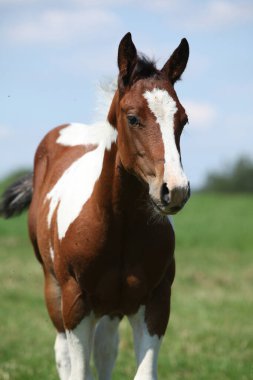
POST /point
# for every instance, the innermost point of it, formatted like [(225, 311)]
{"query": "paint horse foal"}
[(95, 190)]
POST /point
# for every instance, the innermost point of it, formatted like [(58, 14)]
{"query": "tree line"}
[(236, 177)]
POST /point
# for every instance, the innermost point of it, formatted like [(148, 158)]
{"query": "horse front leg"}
[(79, 324), (53, 301), (149, 325), (79, 344), (106, 342), (146, 347)]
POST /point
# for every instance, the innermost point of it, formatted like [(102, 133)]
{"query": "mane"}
[(144, 68), (105, 92)]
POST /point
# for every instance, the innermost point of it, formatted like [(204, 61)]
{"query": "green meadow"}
[(210, 335)]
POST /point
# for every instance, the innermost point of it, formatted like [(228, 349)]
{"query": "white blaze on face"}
[(164, 109), (76, 185)]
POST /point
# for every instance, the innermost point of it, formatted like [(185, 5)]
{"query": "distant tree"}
[(236, 178)]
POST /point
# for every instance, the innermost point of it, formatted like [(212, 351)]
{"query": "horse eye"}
[(133, 120)]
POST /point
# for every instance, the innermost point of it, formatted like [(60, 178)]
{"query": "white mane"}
[(105, 92)]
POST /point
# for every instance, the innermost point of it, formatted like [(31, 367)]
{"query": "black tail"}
[(17, 197)]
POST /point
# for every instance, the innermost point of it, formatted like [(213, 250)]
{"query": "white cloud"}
[(57, 25), (16, 2), (201, 115), (87, 18), (5, 132), (103, 3), (206, 15), (220, 14)]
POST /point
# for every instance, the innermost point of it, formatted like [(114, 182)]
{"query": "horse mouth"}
[(165, 210)]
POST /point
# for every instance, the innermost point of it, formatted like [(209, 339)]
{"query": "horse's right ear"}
[(127, 58)]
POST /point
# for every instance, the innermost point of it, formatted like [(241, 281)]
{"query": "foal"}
[(95, 190)]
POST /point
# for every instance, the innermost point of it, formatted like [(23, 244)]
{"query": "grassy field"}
[(210, 336)]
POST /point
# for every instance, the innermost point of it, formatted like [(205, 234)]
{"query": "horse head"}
[(150, 119)]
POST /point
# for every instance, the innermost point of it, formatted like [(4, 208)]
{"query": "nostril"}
[(165, 194)]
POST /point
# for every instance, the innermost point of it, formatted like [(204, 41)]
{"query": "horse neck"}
[(131, 194)]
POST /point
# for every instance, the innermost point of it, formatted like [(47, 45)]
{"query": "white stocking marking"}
[(62, 356), (80, 345), (106, 346), (146, 347)]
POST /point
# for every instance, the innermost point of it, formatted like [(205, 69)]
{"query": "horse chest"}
[(117, 269)]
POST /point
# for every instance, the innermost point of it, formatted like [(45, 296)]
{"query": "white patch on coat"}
[(164, 108), (88, 134), (106, 342), (146, 347), (76, 185), (51, 251), (80, 346), (62, 357)]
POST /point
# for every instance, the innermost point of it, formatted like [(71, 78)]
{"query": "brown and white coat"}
[(98, 219)]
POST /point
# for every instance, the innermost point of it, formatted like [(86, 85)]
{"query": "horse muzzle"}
[(171, 201)]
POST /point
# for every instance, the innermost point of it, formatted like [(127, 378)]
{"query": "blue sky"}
[(53, 54)]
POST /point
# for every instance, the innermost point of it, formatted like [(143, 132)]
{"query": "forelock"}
[(144, 68)]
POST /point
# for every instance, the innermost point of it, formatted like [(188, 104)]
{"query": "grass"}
[(210, 335)]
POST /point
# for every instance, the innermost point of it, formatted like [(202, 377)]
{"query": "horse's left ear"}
[(176, 64), (127, 58)]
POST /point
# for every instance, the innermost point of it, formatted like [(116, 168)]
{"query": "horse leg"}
[(62, 357), (106, 346), (79, 323), (149, 325), (146, 347), (53, 302)]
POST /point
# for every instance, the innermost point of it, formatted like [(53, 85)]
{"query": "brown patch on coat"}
[(113, 258)]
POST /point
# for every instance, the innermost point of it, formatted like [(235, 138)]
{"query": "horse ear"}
[(176, 64), (127, 58)]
